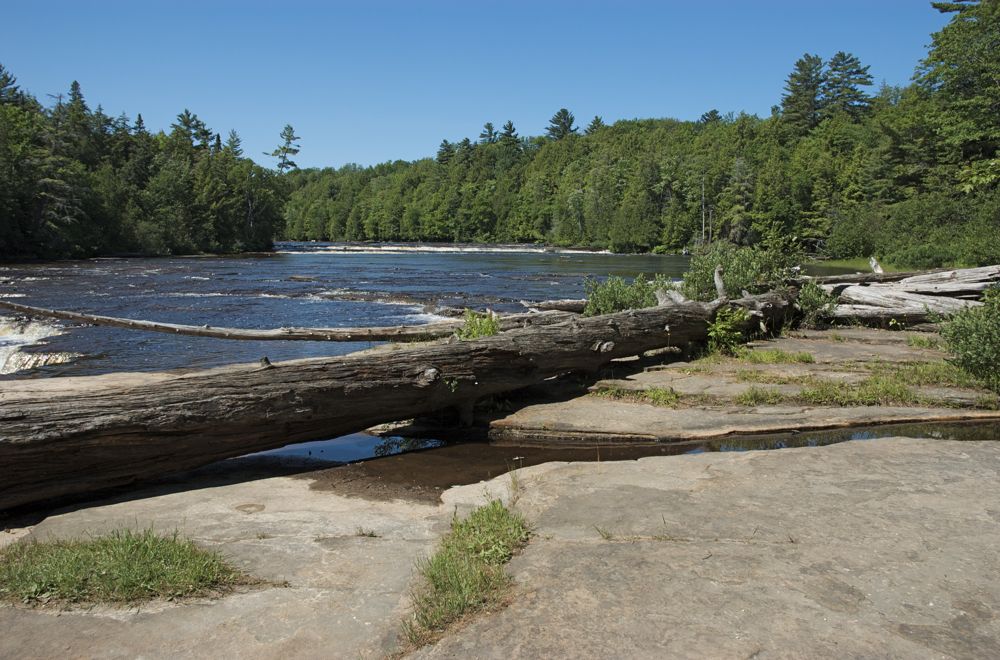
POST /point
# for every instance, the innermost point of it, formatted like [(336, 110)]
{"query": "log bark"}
[(565, 305), (379, 333), (65, 436)]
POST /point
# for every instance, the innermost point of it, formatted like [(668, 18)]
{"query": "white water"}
[(15, 335)]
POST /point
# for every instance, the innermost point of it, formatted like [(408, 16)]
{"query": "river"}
[(300, 284)]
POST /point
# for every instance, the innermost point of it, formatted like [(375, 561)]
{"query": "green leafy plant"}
[(815, 304), (478, 325), (725, 332), (615, 294), (755, 269), (973, 337)]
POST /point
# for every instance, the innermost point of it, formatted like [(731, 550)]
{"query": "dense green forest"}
[(909, 174), (76, 182)]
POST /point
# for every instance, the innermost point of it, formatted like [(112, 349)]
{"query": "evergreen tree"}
[(234, 144), (962, 71), (287, 149), (445, 152), (595, 125), (9, 91), (710, 117), (489, 134), (139, 127), (800, 106), (561, 125), (508, 132), (841, 89)]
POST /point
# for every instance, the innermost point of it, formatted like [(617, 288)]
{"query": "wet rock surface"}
[(875, 549)]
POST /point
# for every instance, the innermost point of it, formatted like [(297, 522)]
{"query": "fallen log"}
[(574, 305), (910, 298), (64, 436), (379, 333)]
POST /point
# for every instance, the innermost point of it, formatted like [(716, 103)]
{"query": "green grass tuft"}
[(776, 356), (657, 396), (466, 573), (923, 341), (756, 396), (121, 568), (876, 390), (757, 376)]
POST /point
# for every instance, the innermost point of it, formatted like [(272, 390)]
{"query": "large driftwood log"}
[(379, 333), (63, 436)]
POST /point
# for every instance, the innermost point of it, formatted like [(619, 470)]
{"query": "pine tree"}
[(561, 125), (710, 117), (9, 92), (489, 134), (287, 148), (445, 151), (139, 127), (595, 125), (508, 133), (800, 105), (234, 144), (841, 88)]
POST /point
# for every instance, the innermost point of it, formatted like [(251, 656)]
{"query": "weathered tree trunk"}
[(381, 333), (63, 436)]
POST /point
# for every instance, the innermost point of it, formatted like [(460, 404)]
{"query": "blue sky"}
[(372, 81)]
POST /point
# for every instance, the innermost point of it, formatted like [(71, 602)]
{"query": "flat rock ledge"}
[(881, 548)]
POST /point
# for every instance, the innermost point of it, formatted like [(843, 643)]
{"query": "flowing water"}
[(302, 284)]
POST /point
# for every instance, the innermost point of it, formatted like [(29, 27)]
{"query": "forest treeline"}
[(76, 182), (909, 174)]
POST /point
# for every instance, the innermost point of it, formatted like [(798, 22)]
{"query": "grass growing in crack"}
[(368, 533), (756, 396), (757, 376), (657, 396), (923, 341), (926, 373), (466, 573), (120, 568), (776, 356), (876, 390), (605, 533)]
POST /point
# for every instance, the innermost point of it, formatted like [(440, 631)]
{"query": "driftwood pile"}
[(907, 297)]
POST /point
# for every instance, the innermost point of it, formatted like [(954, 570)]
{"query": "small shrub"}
[(815, 304), (123, 567), (973, 336), (615, 294), (478, 325), (755, 269), (466, 572), (725, 332)]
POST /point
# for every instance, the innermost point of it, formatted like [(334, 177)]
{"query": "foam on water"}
[(16, 334)]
